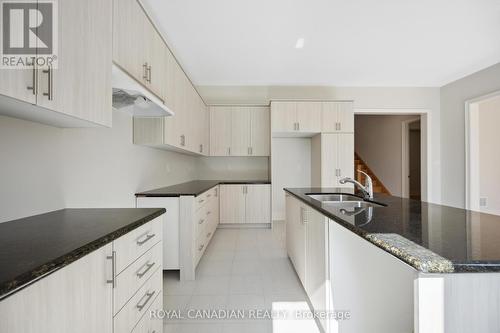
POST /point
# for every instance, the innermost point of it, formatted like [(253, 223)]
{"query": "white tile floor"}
[(242, 269)]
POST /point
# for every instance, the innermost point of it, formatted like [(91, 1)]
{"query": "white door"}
[(232, 204), (345, 117), (283, 116), (260, 131), (317, 261), (258, 203), (220, 131), (240, 131), (345, 148), (309, 117), (80, 85)]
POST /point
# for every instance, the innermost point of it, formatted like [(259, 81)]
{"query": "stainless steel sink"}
[(342, 200)]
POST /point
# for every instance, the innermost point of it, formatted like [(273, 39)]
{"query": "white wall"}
[(378, 141), (365, 98), (45, 168), (236, 168), (489, 154), (453, 98)]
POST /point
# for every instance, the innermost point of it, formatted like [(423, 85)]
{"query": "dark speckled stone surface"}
[(35, 246), (442, 239), (195, 187)]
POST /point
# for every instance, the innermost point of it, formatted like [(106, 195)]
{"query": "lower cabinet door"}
[(76, 298), (317, 261), (258, 203), (232, 204)]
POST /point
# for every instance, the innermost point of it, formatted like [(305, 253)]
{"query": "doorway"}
[(482, 116), (411, 154)]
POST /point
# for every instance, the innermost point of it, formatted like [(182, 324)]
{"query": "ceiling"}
[(346, 43)]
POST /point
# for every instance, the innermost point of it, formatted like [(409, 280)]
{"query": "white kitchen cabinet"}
[(79, 89), (296, 221), (337, 117), (245, 203), (317, 280), (220, 131), (298, 117), (240, 131), (76, 298), (260, 131), (332, 158)]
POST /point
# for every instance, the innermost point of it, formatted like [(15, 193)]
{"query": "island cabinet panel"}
[(77, 298), (296, 235), (376, 287)]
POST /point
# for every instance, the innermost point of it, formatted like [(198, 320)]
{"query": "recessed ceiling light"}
[(300, 43)]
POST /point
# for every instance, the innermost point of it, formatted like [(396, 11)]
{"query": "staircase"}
[(359, 164)]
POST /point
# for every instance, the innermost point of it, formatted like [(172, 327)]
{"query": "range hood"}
[(130, 96)]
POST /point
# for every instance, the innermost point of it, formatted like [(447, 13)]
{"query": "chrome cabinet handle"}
[(34, 85), (148, 267), (201, 221), (183, 140), (112, 257), (298, 126), (216, 192), (145, 71), (209, 212), (208, 235), (50, 89), (148, 297), (201, 247), (340, 126), (201, 148), (201, 201), (148, 237), (229, 151), (149, 74)]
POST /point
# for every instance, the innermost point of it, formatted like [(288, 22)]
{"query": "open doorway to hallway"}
[(483, 154), (388, 148)]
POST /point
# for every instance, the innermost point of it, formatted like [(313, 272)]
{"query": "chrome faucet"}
[(367, 189)]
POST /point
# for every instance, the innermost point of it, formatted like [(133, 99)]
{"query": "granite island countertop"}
[(35, 246), (194, 188), (431, 238)]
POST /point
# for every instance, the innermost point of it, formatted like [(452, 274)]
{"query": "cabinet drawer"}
[(200, 200), (134, 244), (135, 275), (200, 220), (137, 307), (148, 324)]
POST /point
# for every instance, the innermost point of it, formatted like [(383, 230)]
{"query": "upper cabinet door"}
[(129, 48), (283, 116), (220, 131), (309, 117), (240, 131), (157, 61), (345, 117), (19, 84), (81, 84), (260, 131), (329, 117)]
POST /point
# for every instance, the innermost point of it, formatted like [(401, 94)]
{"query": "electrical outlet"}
[(483, 202)]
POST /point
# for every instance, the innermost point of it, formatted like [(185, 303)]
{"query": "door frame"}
[(426, 171), (405, 156), (472, 149)]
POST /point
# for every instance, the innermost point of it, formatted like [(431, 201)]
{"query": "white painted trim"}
[(390, 111), (405, 156), (471, 149)]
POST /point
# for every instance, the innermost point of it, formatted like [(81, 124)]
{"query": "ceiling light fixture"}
[(300, 43)]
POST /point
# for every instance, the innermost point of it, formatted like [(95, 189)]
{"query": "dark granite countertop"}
[(195, 187), (431, 238), (33, 247)]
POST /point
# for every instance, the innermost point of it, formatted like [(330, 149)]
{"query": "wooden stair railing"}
[(359, 164)]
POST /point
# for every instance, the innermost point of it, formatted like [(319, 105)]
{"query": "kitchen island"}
[(398, 265)]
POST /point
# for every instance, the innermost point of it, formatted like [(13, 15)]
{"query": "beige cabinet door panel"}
[(346, 155), (258, 203), (283, 116), (345, 117), (15, 82), (260, 131), (240, 131), (329, 117), (232, 204), (309, 117), (329, 160), (220, 131), (80, 86)]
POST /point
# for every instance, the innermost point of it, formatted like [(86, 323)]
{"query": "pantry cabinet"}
[(337, 117), (332, 158), (245, 203), (76, 92), (239, 131)]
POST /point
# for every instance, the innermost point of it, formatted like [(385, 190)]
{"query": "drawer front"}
[(125, 320), (200, 221), (135, 275), (200, 200), (150, 324), (201, 245), (131, 246)]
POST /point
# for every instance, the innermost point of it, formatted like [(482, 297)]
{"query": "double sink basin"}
[(342, 200)]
